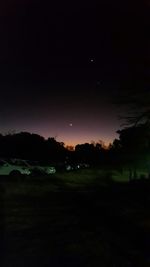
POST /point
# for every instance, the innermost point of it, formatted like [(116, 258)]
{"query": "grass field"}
[(74, 219)]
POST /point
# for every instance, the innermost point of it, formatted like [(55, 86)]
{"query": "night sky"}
[(64, 63)]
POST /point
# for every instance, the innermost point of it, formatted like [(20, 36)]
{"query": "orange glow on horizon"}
[(71, 146), (71, 142)]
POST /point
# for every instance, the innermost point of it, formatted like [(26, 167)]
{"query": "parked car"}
[(43, 170), (12, 168), (50, 169), (68, 167), (38, 168)]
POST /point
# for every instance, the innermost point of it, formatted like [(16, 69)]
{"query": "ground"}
[(53, 222)]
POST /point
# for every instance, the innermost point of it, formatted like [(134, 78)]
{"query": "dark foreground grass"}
[(54, 224)]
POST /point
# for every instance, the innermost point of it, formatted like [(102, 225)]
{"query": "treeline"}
[(25, 145), (131, 150)]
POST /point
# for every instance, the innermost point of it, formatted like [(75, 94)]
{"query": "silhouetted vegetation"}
[(82, 217), (131, 151), (25, 145), (135, 148), (136, 102)]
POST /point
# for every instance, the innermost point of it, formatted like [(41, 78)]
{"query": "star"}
[(70, 124)]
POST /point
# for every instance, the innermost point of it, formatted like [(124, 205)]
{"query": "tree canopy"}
[(137, 104)]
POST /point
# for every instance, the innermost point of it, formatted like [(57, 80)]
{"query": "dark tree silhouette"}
[(31, 146), (137, 104), (55, 151), (114, 158), (25, 145), (134, 143), (93, 154), (135, 137)]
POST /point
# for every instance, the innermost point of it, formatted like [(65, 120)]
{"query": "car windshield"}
[(2, 163), (18, 162)]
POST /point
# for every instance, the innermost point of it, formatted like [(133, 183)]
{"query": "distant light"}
[(70, 124), (92, 60)]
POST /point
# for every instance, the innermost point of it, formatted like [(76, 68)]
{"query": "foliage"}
[(32, 146), (134, 147), (137, 104)]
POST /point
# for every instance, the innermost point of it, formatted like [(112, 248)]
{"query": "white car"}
[(12, 168)]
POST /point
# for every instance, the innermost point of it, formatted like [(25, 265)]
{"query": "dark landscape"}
[(49, 223), (74, 133)]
